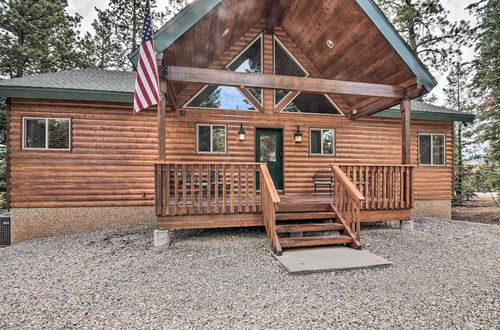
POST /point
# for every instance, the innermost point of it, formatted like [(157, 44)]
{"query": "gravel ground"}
[(445, 275)]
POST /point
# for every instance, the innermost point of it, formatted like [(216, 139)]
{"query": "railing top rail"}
[(361, 164), (268, 181), (205, 163), (348, 184)]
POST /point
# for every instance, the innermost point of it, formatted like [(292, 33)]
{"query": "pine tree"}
[(102, 48), (38, 36), (458, 98), (126, 18), (425, 26), (487, 78)]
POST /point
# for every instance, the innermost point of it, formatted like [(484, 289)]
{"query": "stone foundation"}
[(30, 223), (432, 208)]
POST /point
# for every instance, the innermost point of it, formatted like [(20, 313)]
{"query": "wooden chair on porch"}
[(323, 178)]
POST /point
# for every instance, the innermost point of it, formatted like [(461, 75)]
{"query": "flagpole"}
[(162, 156)]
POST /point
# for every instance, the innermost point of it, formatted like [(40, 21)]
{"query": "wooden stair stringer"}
[(356, 244)]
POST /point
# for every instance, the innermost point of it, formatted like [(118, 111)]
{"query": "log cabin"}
[(298, 116)]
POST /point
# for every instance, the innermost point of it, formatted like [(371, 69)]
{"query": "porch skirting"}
[(30, 223), (436, 208)]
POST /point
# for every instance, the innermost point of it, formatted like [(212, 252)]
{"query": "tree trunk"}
[(412, 35)]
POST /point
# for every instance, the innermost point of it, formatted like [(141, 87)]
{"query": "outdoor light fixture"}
[(298, 135), (242, 134)]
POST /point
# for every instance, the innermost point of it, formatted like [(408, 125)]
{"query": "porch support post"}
[(162, 155), (405, 124)]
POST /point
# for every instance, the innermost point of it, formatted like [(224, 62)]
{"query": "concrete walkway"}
[(327, 259)]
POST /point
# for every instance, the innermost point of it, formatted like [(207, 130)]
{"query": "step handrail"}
[(347, 200), (269, 199)]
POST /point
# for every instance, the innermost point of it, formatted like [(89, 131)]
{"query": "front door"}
[(268, 149)]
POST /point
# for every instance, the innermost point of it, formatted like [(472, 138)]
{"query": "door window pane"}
[(204, 139), (267, 148), (58, 133), (438, 150), (219, 138), (316, 141), (34, 133)]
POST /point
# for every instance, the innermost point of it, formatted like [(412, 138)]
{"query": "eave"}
[(65, 94), (127, 97), (385, 27), (426, 115)]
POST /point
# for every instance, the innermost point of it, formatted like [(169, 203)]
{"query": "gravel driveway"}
[(446, 274)]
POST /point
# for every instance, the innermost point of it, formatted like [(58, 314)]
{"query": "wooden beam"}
[(405, 131), (274, 13), (269, 81), (382, 104), (163, 84)]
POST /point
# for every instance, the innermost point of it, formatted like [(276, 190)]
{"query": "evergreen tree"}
[(38, 36), (126, 18), (458, 98), (425, 26), (103, 47), (487, 78)]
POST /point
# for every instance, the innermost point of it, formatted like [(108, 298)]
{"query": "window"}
[(211, 138), (232, 98), (322, 141), (431, 149), (312, 103), (286, 65), (46, 133)]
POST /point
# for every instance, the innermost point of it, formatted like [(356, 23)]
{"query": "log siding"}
[(113, 152)]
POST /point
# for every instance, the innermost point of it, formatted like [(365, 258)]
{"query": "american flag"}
[(146, 91)]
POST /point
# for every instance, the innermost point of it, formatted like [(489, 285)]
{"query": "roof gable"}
[(197, 11)]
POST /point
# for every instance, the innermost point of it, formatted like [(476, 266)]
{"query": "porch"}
[(214, 195)]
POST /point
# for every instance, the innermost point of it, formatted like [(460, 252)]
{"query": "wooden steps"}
[(305, 215), (314, 241), (309, 218), (308, 227)]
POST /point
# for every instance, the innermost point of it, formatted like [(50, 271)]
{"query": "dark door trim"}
[(276, 168)]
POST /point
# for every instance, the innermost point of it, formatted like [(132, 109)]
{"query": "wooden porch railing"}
[(202, 188), (347, 202), (384, 187), (269, 199)]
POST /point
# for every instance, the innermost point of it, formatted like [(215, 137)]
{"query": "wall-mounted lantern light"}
[(298, 136), (242, 134)]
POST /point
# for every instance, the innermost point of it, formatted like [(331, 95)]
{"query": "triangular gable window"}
[(224, 97), (285, 64)]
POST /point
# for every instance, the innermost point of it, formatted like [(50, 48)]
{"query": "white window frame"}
[(279, 104), (321, 147), (25, 119), (261, 36), (277, 40), (211, 139), (432, 149)]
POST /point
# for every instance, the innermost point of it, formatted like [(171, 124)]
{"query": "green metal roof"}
[(118, 86), (426, 111)]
